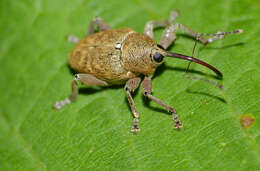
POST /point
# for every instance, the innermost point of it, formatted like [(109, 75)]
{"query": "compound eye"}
[(157, 57)]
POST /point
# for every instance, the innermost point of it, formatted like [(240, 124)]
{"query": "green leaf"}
[(94, 132)]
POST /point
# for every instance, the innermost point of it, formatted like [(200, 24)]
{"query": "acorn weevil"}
[(122, 56)]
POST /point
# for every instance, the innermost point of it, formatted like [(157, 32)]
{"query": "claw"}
[(60, 104), (135, 127), (178, 126), (135, 130)]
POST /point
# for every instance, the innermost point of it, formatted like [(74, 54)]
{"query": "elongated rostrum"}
[(123, 56)]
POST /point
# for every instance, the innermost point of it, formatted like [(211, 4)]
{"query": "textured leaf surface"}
[(94, 132)]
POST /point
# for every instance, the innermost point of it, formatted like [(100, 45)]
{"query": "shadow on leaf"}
[(206, 94)]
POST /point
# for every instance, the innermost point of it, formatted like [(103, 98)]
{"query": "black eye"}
[(157, 57)]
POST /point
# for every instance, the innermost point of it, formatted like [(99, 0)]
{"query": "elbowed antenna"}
[(189, 58)]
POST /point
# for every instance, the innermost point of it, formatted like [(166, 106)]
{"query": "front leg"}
[(168, 35), (147, 90), (151, 25), (131, 86)]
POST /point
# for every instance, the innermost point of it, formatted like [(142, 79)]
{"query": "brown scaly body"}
[(112, 55), (121, 56)]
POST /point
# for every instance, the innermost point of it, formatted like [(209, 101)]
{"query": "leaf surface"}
[(94, 132)]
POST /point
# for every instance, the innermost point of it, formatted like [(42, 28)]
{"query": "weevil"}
[(124, 56)]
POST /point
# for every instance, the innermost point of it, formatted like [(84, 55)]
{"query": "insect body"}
[(122, 56), (106, 55)]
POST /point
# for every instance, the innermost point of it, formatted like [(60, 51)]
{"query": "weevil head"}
[(140, 54)]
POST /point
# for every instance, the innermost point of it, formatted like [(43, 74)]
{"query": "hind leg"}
[(101, 24), (86, 79)]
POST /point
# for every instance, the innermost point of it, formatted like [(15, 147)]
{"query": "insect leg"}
[(131, 86), (150, 25), (147, 90), (171, 29), (102, 25), (86, 79), (73, 39)]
